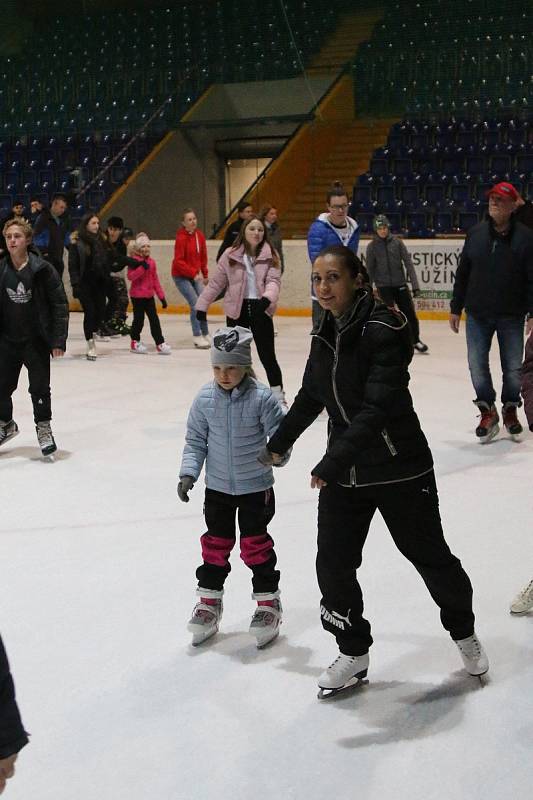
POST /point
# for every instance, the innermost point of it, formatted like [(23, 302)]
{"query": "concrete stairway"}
[(349, 157)]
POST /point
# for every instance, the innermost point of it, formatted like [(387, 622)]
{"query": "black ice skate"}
[(7, 431), (510, 420), (46, 440), (344, 673), (488, 426), (420, 347)]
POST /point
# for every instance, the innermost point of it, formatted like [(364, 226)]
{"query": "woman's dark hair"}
[(336, 190), (242, 205), (84, 234), (349, 260)]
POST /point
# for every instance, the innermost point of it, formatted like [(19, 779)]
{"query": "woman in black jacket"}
[(89, 262), (377, 458), (13, 737)]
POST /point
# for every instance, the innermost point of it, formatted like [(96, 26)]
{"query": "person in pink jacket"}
[(249, 273), (189, 271), (144, 284)]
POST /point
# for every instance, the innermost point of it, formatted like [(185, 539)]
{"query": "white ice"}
[(98, 559)]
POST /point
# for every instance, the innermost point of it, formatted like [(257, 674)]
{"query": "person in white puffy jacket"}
[(230, 421)]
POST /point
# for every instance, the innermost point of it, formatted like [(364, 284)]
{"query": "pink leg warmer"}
[(256, 549), (216, 549)]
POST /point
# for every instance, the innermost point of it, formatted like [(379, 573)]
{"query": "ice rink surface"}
[(98, 559)]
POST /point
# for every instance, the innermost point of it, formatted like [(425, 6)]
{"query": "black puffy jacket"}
[(360, 375), (49, 301), (13, 737)]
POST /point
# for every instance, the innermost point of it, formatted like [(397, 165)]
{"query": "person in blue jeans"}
[(494, 284), (189, 271)]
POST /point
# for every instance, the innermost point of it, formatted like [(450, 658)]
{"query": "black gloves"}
[(144, 264), (184, 487), (264, 303), (417, 293), (201, 316), (164, 303), (75, 292)]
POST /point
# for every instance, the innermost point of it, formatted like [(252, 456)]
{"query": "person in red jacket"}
[(189, 271)]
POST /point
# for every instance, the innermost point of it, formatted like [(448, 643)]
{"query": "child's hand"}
[(184, 487), (144, 264), (201, 316), (164, 303), (267, 459)]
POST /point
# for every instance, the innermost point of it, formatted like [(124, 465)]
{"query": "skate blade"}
[(200, 638), (353, 683), (490, 436), (329, 694), (262, 644), (49, 459)]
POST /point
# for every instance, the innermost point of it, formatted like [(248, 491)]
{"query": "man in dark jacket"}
[(51, 232), (13, 737), (494, 284), (33, 325), (524, 212), (244, 212)]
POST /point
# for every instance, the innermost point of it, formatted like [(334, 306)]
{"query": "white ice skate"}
[(205, 617), (46, 440), (523, 601), (473, 655), (344, 672), (266, 619)]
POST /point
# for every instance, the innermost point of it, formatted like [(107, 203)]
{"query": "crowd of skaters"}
[(248, 275)]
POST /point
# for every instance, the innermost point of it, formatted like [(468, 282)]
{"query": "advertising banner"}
[(435, 262)]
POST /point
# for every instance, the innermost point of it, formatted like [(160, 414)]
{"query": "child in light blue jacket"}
[(229, 423)]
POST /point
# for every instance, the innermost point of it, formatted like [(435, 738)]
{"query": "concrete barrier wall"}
[(435, 261)]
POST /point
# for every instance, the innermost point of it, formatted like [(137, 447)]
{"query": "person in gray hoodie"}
[(229, 422), (387, 259)]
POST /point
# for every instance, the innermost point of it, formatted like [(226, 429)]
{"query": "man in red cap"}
[(494, 285)]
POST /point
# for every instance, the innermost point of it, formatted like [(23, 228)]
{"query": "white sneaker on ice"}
[(473, 655), (343, 672), (266, 621), (138, 347), (205, 620), (91, 350), (164, 349), (523, 601), (200, 342)]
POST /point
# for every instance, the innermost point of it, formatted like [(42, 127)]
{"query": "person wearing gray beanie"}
[(229, 423), (232, 346)]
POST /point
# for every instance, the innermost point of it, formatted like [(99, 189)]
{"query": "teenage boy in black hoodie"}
[(33, 326)]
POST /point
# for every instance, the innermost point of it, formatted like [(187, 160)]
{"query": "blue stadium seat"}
[(435, 195), (365, 222), (443, 222), (524, 163), (379, 166), (459, 193), (466, 219), (416, 224), (409, 195)]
